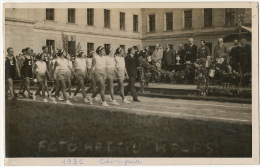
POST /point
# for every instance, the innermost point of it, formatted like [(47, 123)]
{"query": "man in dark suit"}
[(181, 53), (138, 52), (220, 50), (168, 58), (190, 52), (131, 64), (235, 55), (245, 57), (203, 51)]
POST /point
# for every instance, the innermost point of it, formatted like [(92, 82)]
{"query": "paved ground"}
[(177, 108)]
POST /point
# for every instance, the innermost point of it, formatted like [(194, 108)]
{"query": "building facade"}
[(91, 28), (175, 26)]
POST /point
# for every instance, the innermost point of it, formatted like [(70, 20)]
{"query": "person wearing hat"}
[(63, 75), (42, 73), (54, 76), (121, 72), (90, 75), (69, 58), (131, 64), (98, 69), (111, 72), (80, 65)]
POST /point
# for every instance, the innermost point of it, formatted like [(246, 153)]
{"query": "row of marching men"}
[(101, 68)]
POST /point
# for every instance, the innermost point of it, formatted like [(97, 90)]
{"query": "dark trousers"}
[(131, 87)]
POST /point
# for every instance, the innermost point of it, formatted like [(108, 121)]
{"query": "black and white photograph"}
[(121, 83)]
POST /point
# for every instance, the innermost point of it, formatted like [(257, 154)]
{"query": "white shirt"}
[(63, 64), (41, 67), (100, 62), (89, 60), (120, 62), (80, 64), (110, 62)]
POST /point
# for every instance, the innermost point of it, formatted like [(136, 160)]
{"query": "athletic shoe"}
[(96, 99), (86, 100), (126, 101), (53, 99), (45, 100), (105, 104), (60, 98), (90, 100), (74, 98), (114, 102), (68, 102)]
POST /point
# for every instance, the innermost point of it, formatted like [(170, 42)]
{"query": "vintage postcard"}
[(97, 84)]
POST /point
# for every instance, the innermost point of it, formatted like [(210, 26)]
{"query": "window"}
[(51, 45), (71, 15), (151, 23), (207, 17), (135, 23), (72, 48), (122, 46), (122, 21), (107, 18), (90, 47), (50, 14), (90, 17), (230, 17), (188, 19), (107, 46), (169, 21)]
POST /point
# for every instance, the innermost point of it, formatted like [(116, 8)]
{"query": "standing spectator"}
[(131, 64), (203, 51), (190, 52), (157, 54), (168, 58), (181, 53), (138, 52), (220, 50), (245, 56), (234, 56)]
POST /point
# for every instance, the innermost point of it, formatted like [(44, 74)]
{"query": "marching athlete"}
[(11, 69), (42, 73), (80, 65), (27, 64), (121, 71), (20, 65), (98, 69), (111, 73), (63, 75), (68, 57)]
